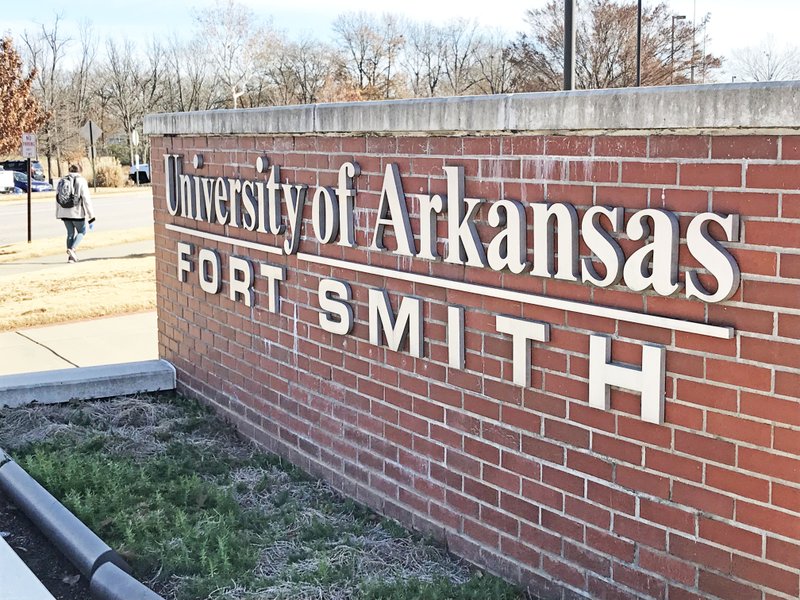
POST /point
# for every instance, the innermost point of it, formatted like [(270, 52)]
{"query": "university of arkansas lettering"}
[(266, 206)]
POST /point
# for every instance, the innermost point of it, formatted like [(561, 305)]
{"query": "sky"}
[(734, 23)]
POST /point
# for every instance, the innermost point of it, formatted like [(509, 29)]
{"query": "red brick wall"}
[(530, 482)]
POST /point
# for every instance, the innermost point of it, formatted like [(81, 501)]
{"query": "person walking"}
[(74, 208)]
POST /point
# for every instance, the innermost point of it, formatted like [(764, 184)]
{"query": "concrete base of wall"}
[(87, 383)]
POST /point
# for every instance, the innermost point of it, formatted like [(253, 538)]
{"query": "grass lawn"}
[(200, 513)]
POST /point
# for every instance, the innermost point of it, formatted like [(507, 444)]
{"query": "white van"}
[(6, 181)]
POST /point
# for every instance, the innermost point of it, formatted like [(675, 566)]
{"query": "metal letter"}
[(336, 314), (185, 265), (325, 214), (347, 193), (662, 274), (235, 198), (393, 212), (250, 216), (295, 201), (221, 212), (455, 337), (395, 329), (522, 333), (241, 286), (209, 271), (710, 253), (649, 381), (185, 192), (269, 205), (429, 206), (508, 249), (172, 170), (274, 275), (603, 245), (204, 199), (566, 219), (464, 244)]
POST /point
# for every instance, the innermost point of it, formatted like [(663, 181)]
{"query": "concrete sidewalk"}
[(131, 249), (110, 340)]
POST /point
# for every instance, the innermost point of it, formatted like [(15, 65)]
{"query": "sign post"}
[(29, 152), (135, 144), (90, 132)]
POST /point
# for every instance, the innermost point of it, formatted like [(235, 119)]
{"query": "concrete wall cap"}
[(761, 105)]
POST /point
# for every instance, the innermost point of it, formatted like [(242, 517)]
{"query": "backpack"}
[(66, 194)]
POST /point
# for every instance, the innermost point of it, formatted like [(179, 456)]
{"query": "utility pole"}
[(672, 48), (694, 36), (639, 44), (569, 44)]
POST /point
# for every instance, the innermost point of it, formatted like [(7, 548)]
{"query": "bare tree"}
[(232, 38), (133, 83), (461, 41), (494, 66), (766, 62), (45, 49), (83, 72), (189, 86), (606, 47), (370, 50), (423, 59), (302, 70)]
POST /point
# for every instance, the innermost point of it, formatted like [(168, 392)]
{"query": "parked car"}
[(6, 181), (21, 181), (144, 173), (37, 171)]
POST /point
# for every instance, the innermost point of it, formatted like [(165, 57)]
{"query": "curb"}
[(106, 571), (68, 533), (87, 383), (109, 582)]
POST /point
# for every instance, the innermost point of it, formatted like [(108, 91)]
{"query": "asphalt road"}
[(115, 210)]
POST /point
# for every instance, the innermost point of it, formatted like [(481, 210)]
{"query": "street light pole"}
[(672, 48), (639, 44)]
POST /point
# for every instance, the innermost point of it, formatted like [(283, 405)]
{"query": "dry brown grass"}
[(72, 292), (109, 173)]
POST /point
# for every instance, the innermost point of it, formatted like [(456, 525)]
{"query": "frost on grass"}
[(310, 543)]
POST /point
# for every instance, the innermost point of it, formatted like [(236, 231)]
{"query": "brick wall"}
[(530, 482)]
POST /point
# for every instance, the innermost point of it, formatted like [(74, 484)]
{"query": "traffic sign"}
[(28, 145), (135, 138), (91, 132)]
